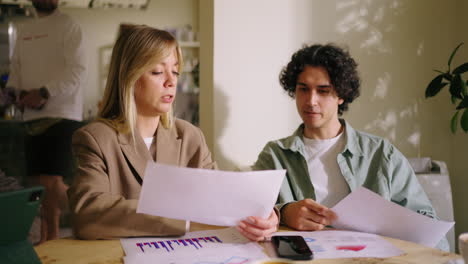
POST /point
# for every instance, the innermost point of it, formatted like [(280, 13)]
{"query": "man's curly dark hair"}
[(341, 68)]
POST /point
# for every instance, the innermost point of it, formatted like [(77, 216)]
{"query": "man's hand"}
[(257, 229), (32, 99), (307, 215)]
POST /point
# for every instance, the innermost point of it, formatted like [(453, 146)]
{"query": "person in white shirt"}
[(48, 69)]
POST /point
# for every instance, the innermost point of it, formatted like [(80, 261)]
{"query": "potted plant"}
[(457, 88)]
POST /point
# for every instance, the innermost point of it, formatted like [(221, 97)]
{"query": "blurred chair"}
[(434, 178)]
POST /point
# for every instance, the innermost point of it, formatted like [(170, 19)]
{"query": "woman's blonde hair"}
[(137, 49)]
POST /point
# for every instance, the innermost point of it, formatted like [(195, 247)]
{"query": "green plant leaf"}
[(456, 86), (461, 69), (464, 121), (454, 122), (448, 76), (454, 99), (464, 89), (453, 54), (435, 86), (463, 104)]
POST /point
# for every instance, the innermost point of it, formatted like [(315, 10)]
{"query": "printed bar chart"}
[(172, 245)]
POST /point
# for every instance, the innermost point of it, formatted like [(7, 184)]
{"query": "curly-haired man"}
[(326, 158)]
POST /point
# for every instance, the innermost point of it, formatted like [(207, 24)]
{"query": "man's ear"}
[(340, 101)]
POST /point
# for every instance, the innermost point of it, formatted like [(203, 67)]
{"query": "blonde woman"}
[(134, 126)]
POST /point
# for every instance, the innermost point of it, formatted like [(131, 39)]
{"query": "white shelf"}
[(189, 44)]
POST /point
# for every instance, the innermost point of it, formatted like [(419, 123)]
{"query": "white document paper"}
[(332, 244), (210, 246), (366, 211), (235, 254), (208, 196)]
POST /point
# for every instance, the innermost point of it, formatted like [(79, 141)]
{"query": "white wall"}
[(252, 41), (396, 43), (100, 30)]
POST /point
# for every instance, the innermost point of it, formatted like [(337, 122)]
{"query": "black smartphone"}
[(292, 247)]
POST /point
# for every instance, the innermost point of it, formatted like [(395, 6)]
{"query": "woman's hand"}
[(257, 229)]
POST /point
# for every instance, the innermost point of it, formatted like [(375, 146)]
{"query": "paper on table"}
[(190, 242), (331, 244), (366, 211), (242, 253), (209, 246), (208, 196)]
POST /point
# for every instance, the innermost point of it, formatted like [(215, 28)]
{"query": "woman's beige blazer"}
[(104, 194)]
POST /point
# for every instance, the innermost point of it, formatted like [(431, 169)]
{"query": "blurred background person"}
[(48, 70)]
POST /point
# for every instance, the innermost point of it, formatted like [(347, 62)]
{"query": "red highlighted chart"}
[(351, 248)]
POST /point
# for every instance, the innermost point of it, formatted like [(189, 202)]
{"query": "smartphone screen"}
[(292, 247)]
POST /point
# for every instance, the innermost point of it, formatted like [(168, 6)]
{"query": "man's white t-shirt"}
[(325, 174)]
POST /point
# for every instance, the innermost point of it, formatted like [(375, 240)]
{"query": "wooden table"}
[(110, 252)]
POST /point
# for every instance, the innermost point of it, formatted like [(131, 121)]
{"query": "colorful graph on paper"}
[(220, 253), (220, 246), (191, 242), (174, 244)]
